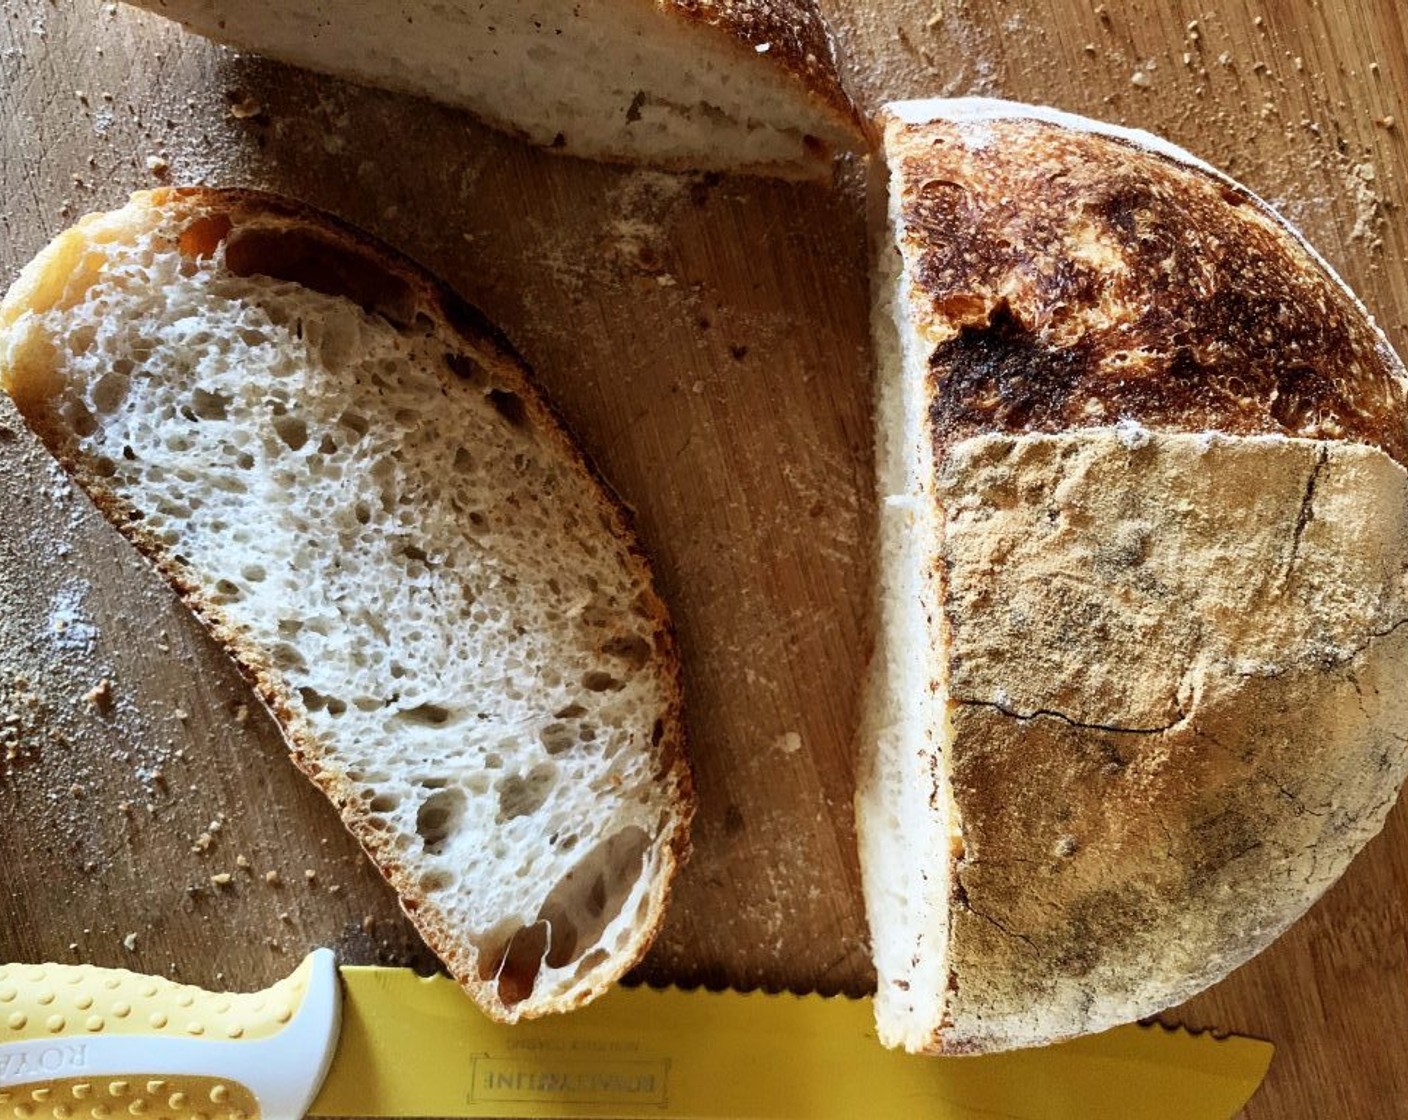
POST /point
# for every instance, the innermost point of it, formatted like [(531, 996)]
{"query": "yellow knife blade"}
[(419, 1047)]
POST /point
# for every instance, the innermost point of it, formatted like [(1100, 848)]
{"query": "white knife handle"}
[(84, 1043)]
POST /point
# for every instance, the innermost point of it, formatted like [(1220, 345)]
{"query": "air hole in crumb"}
[(427, 715), (557, 738), (462, 365), (433, 881), (508, 405), (522, 795), (493, 761), (292, 430), (464, 462), (384, 802), (630, 648), (438, 818), (355, 421), (522, 961), (254, 573), (109, 391), (434, 783), (572, 711), (598, 681), (209, 406), (245, 461), (362, 512)]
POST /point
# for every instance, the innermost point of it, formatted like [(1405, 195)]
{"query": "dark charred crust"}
[(796, 39), (1082, 281)]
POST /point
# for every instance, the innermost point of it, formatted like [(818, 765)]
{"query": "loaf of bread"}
[(1140, 690), (351, 479), (684, 84)]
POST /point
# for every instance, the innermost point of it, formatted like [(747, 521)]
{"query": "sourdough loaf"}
[(352, 480), (1141, 681), (684, 84)]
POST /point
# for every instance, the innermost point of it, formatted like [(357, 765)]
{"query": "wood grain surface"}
[(706, 339)]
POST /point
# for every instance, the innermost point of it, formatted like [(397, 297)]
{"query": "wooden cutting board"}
[(706, 338)]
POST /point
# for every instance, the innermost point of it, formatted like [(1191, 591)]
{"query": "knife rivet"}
[(41, 1095), (95, 1023), (155, 1087), (177, 1102), (83, 1002), (44, 998), (82, 1091), (282, 1013), (24, 1111), (62, 1112), (147, 990), (185, 999), (137, 1107), (219, 1095), (121, 1010), (36, 975), (234, 1030), (158, 1020), (76, 976), (118, 1089), (17, 1020), (200, 1116), (56, 1023), (101, 1112), (194, 1027), (221, 1006), (7, 995), (112, 983)]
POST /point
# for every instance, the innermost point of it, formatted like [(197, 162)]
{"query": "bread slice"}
[(351, 479), (1141, 678), (683, 84)]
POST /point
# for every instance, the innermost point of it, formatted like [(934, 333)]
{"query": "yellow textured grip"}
[(111, 1098), (65, 1000)]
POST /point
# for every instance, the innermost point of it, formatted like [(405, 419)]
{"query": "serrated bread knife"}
[(85, 1043)]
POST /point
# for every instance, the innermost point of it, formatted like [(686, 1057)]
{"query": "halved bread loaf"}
[(351, 479), (1141, 683), (685, 84)]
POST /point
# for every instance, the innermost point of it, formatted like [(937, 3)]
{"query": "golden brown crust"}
[(796, 39), (314, 248), (1077, 280)]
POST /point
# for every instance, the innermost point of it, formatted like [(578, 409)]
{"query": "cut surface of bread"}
[(687, 84), (1141, 669), (353, 482)]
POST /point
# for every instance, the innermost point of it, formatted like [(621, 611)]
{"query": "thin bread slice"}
[(744, 85), (1141, 670), (352, 480)]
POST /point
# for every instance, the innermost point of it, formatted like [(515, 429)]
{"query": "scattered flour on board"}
[(70, 628)]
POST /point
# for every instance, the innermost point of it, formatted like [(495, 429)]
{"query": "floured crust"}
[(349, 263), (1179, 683), (1077, 278)]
